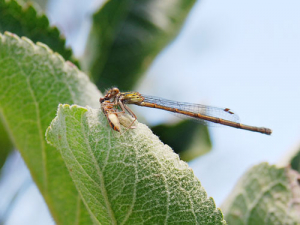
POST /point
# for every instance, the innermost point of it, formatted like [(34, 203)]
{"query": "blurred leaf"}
[(33, 81), (25, 21), (186, 138), (264, 195), (127, 35), (41, 3), (5, 145), (128, 178), (295, 162)]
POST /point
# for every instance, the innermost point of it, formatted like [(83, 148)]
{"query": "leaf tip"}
[(55, 132), (51, 129)]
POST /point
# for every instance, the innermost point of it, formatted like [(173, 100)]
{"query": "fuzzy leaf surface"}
[(24, 20), (128, 178), (265, 195), (33, 81)]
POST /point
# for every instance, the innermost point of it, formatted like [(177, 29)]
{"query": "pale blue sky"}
[(243, 55)]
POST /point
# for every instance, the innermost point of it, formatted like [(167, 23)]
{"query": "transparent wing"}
[(222, 113)]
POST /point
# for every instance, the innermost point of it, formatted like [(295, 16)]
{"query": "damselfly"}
[(115, 102), (114, 117), (111, 115)]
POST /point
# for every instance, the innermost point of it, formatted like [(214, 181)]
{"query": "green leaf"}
[(295, 162), (25, 21), (5, 145), (187, 138), (127, 35), (33, 81), (128, 178), (264, 195)]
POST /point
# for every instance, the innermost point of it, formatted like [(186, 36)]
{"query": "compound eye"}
[(115, 90)]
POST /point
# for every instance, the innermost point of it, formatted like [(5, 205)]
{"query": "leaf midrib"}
[(102, 185)]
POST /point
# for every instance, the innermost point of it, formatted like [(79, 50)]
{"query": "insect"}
[(114, 117), (115, 102), (111, 115)]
